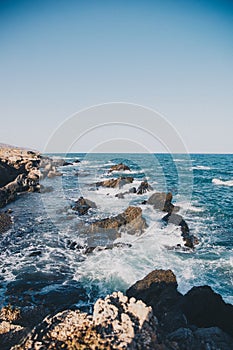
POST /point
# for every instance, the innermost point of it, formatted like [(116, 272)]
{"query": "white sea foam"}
[(201, 167), (222, 183), (185, 205)]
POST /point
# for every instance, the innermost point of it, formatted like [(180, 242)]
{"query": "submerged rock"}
[(119, 167), (130, 220), (82, 205), (113, 183)]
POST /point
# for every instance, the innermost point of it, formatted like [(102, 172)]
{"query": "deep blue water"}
[(39, 265)]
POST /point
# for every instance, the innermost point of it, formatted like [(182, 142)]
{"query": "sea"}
[(43, 256)]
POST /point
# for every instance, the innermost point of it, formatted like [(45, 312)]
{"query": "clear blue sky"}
[(60, 56)]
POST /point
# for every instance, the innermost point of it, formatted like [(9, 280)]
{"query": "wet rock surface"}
[(131, 220)]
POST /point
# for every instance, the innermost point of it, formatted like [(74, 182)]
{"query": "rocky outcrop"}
[(19, 172), (130, 220), (113, 183), (119, 167), (5, 222), (190, 240), (144, 187), (162, 201), (117, 323), (152, 315), (198, 320), (82, 205)]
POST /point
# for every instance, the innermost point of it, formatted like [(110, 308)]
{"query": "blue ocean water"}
[(39, 263)]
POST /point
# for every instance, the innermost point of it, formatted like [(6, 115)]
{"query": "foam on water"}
[(223, 183), (201, 167), (208, 215)]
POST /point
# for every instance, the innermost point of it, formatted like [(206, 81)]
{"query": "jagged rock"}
[(144, 187), (18, 173), (116, 323), (200, 307), (82, 205), (131, 220), (120, 182), (176, 219), (119, 167), (5, 222), (77, 161), (159, 290)]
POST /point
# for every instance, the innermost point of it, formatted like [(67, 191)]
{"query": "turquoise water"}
[(39, 264)]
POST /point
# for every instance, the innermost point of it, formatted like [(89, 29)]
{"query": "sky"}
[(59, 57)]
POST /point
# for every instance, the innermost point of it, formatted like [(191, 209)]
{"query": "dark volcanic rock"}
[(181, 317), (5, 222), (144, 187), (82, 205), (205, 308), (131, 220), (120, 182), (119, 167)]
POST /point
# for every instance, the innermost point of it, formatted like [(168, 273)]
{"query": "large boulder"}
[(113, 183), (179, 314), (119, 167), (82, 205), (162, 201), (130, 220)]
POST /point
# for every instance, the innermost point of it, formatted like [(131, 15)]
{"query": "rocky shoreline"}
[(152, 314)]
